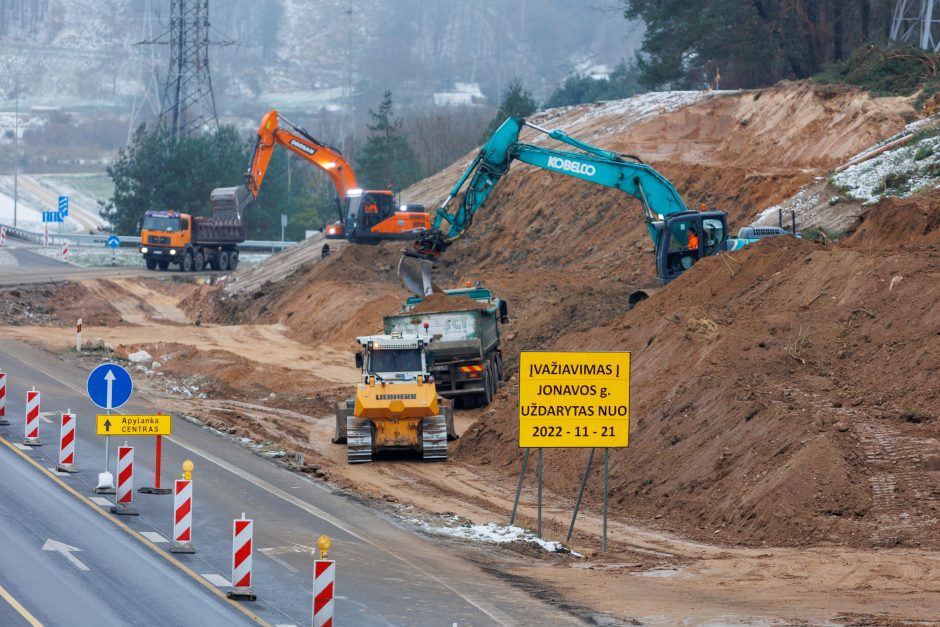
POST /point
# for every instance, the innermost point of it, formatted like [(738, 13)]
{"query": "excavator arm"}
[(297, 140), (596, 165), (668, 220)]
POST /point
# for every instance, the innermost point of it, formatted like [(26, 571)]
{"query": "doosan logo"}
[(571, 166), (307, 149)]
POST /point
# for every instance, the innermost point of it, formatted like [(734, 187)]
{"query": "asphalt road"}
[(112, 579), (386, 574), (20, 265)]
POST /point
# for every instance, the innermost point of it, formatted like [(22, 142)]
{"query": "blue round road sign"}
[(114, 241), (109, 386)]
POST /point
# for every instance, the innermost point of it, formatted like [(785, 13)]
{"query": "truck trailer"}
[(465, 326)]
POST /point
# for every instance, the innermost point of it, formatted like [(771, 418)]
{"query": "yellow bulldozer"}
[(396, 406)]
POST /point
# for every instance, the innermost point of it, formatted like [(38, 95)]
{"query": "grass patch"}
[(894, 71), (821, 234)]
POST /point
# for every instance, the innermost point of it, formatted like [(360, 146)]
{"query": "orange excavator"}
[(366, 216)]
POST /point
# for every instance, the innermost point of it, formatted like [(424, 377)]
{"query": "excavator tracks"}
[(358, 440), (434, 439)]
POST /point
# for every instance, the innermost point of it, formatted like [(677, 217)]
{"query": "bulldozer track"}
[(358, 441), (901, 468), (434, 439)]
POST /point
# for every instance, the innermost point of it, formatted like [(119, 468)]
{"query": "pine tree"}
[(517, 103), (387, 160)]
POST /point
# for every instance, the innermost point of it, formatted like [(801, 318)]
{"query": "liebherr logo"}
[(307, 149), (567, 165), (394, 397)]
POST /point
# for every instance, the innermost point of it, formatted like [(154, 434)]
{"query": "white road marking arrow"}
[(66, 551), (109, 377)]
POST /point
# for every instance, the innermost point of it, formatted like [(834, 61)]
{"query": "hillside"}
[(780, 394)]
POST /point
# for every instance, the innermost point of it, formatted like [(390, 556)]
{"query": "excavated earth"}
[(785, 415)]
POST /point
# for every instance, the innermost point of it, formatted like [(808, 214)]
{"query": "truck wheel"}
[(186, 265), (163, 265), (151, 264), (233, 260), (223, 261), (485, 397), (200, 263)]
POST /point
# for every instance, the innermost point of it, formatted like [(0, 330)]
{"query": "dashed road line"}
[(99, 500), (154, 537), (22, 447), (135, 534), (216, 580), (58, 473)]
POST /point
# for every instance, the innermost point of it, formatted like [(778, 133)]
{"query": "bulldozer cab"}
[(390, 359), (684, 238)]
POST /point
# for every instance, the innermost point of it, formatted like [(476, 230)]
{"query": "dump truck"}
[(465, 325), (395, 407), (192, 242)]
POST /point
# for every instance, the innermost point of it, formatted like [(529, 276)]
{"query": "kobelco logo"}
[(307, 149), (567, 165)]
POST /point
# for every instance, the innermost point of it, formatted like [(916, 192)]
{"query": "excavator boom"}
[(364, 216), (297, 140), (673, 228)]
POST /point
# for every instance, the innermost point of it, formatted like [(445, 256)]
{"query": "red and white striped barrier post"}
[(78, 336), (65, 251), (3, 399), (242, 532), (67, 443), (125, 481), (183, 512), (31, 437), (3, 236), (324, 579)]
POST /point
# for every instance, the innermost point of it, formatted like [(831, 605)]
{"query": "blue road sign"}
[(52, 216), (64, 206), (114, 241), (109, 386)]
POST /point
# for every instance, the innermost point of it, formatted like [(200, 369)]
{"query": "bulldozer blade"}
[(230, 199), (415, 275)]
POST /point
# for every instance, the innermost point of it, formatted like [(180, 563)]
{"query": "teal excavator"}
[(681, 236)]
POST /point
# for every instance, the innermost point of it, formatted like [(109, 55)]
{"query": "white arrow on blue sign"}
[(114, 241), (109, 386), (64, 206), (52, 216)]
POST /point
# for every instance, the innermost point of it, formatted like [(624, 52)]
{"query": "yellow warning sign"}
[(574, 399), (134, 425)]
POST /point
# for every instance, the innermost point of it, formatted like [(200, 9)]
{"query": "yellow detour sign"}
[(574, 399), (133, 425)]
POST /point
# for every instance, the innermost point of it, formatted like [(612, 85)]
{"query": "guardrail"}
[(130, 241)]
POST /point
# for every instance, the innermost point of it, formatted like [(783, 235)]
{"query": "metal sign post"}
[(113, 242), (109, 386), (574, 400)]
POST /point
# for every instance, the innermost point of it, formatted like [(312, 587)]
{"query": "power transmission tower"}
[(188, 104), (916, 22), (148, 97)]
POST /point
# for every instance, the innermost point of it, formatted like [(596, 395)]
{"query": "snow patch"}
[(140, 357), (496, 534)]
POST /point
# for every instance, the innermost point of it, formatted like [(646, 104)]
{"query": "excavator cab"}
[(372, 217), (684, 237)]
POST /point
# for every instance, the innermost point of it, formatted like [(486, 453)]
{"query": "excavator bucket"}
[(415, 274), (230, 199)]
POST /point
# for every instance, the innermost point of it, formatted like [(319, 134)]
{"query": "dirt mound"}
[(899, 222), (323, 301), (443, 302), (771, 400), (55, 304)]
